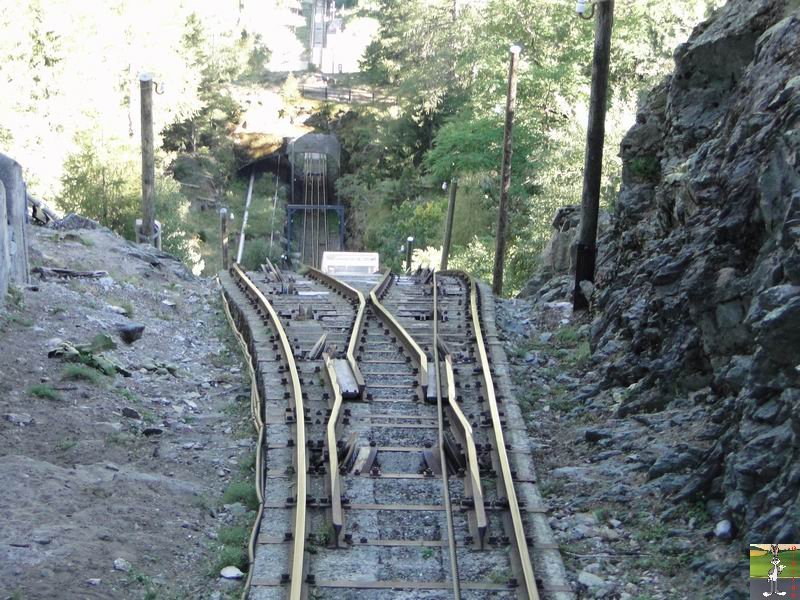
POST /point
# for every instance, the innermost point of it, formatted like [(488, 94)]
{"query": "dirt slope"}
[(120, 467)]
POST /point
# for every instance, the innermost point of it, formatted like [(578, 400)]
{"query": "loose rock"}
[(231, 573), (120, 564)]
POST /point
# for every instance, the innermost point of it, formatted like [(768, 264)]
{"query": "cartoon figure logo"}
[(774, 571)]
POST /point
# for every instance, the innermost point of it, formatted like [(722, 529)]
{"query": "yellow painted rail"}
[(526, 567), (417, 355), (358, 324), (258, 423), (333, 457), (301, 469), (473, 468)]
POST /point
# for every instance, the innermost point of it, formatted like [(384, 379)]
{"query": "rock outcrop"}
[(699, 278)]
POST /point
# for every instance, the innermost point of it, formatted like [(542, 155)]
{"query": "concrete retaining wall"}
[(13, 234), (5, 259)]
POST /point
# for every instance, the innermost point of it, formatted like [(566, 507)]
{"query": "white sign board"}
[(355, 263)]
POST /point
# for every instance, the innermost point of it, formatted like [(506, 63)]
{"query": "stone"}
[(94, 581), (107, 427), (590, 580), (131, 413), (237, 509), (73, 221), (670, 462), (120, 564), (724, 529), (149, 431), (20, 419), (231, 572), (131, 332), (595, 435)]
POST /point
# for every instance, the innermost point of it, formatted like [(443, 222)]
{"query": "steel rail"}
[(325, 200), (301, 469), (258, 423), (408, 342), (358, 325), (474, 479), (305, 208), (529, 582), (337, 514), (315, 198), (451, 539)]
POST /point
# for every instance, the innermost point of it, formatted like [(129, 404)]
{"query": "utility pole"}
[(593, 165), (409, 251), (223, 236), (505, 173), (148, 161), (448, 228)]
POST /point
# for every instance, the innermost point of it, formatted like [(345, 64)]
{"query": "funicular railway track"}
[(392, 435)]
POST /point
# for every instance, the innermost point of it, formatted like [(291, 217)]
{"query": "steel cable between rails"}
[(255, 412)]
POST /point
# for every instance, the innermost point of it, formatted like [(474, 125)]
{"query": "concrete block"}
[(5, 258), (17, 218)]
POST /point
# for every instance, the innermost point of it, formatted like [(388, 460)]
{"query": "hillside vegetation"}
[(449, 72)]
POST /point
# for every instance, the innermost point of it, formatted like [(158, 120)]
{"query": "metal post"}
[(448, 228), (148, 160), (244, 218), (593, 165), (291, 162), (223, 236), (505, 173), (409, 247)]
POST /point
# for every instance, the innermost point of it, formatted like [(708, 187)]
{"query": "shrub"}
[(41, 390), (243, 492), (81, 373)]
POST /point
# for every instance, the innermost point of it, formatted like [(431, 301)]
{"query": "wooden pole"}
[(505, 173), (409, 249), (448, 228), (593, 165), (223, 236), (148, 160), (244, 218)]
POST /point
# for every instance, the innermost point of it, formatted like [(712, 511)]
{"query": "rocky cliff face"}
[(699, 278)]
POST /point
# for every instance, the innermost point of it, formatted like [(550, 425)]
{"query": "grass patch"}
[(230, 556), (645, 168), (81, 373), (118, 439), (102, 342), (499, 576), (16, 299), (247, 465), (65, 444), (124, 305), (243, 492), (566, 337), (233, 536), (42, 390), (17, 319), (653, 532), (129, 396)]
